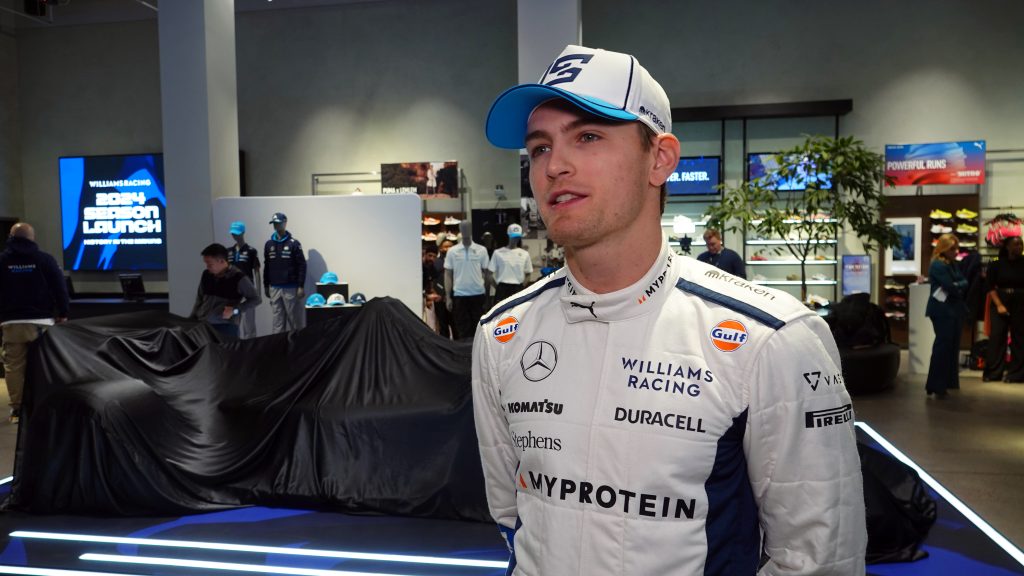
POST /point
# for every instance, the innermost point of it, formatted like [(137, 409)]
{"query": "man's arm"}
[(197, 307), (739, 267), (58, 287), (266, 271), (251, 297), (497, 454), (802, 454)]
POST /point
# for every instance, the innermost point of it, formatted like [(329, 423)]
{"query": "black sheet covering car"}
[(152, 414)]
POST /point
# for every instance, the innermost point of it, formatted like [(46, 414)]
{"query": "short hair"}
[(216, 251), (712, 233)]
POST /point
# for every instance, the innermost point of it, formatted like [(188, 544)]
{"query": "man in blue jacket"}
[(33, 296), (284, 275)]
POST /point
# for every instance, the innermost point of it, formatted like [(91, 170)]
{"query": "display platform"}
[(287, 541)]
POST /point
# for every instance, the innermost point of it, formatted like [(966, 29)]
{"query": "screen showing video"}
[(695, 177), (112, 212)]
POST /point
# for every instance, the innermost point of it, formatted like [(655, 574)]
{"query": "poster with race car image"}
[(113, 212), (529, 214), (430, 180)]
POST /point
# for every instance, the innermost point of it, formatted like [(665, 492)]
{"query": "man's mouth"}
[(562, 198)]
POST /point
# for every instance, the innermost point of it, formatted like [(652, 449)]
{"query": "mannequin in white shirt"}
[(466, 277), (511, 265)]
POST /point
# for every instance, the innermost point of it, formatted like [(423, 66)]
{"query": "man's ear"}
[(666, 158)]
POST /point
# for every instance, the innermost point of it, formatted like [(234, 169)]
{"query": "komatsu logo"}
[(625, 502)]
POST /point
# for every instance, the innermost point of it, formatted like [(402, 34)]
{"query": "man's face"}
[(429, 257), (445, 246), (714, 244), (280, 227), (238, 238), (590, 178), (215, 266)]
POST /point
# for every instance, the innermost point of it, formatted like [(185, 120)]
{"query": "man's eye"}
[(538, 150), (589, 137)]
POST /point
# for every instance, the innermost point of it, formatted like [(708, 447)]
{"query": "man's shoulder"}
[(539, 294), (771, 307), (703, 256)]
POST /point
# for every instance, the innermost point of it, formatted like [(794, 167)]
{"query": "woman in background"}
[(1006, 287), (947, 309)]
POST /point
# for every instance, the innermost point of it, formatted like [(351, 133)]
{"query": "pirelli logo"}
[(830, 417)]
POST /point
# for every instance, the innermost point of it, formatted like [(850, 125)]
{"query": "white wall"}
[(370, 242), (10, 169)]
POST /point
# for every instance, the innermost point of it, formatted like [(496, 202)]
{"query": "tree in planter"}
[(850, 196)]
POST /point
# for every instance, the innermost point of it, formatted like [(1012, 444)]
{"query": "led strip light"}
[(26, 571), (6, 480), (229, 566), (985, 527), (96, 539)]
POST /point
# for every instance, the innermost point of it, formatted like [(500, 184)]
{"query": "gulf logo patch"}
[(506, 329), (728, 335)]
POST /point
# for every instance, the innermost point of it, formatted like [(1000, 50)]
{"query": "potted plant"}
[(843, 189)]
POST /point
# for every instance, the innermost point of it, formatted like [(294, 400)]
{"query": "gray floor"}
[(973, 443)]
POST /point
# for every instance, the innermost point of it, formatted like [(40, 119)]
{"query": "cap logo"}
[(563, 70), (729, 335), (506, 329)]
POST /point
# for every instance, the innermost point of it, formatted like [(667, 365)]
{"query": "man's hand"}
[(448, 302), (300, 292), (1002, 311), (228, 312)]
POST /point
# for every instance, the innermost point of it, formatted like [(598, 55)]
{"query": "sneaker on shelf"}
[(759, 278), (966, 229), (817, 301), (891, 284), (935, 242), (430, 237), (941, 229), (819, 277), (792, 276), (428, 221), (968, 244), (896, 299), (896, 315), (820, 257), (965, 214), (759, 256), (939, 215), (452, 221), (821, 217)]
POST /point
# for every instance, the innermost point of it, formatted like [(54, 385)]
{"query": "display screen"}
[(938, 163), (695, 177), (113, 212), (856, 274), (766, 166)]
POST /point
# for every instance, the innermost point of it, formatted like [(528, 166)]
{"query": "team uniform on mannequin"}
[(465, 282), (510, 265), (284, 275), (33, 297), (640, 412), (246, 259)]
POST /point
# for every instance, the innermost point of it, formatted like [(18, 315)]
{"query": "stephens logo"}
[(536, 442), (506, 329), (729, 335)]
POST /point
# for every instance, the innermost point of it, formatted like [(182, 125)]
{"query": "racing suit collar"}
[(581, 305)]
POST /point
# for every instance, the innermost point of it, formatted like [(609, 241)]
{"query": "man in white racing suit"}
[(641, 413)]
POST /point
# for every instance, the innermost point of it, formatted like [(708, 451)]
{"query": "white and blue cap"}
[(607, 84), (336, 299), (515, 231)]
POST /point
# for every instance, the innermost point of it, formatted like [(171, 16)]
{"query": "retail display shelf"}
[(781, 242), (794, 282), (815, 220), (790, 262), (693, 243)]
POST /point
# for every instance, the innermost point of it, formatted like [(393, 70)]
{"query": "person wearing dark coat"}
[(33, 297), (1006, 287), (946, 309)]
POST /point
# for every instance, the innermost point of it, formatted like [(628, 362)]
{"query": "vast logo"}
[(562, 70), (538, 361), (829, 417), (728, 335), (506, 329), (814, 379), (536, 442), (607, 497)]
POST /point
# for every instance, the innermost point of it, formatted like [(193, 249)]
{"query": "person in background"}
[(511, 265), (947, 310), (1006, 290), (465, 282), (224, 293), (33, 297), (284, 277), (721, 257), (246, 259), (441, 312)]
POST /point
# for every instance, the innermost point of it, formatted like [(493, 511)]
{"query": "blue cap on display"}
[(315, 301), (329, 278), (278, 217), (357, 298), (336, 300), (238, 227), (607, 84)]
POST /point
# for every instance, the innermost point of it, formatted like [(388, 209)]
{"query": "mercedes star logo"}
[(539, 361)]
